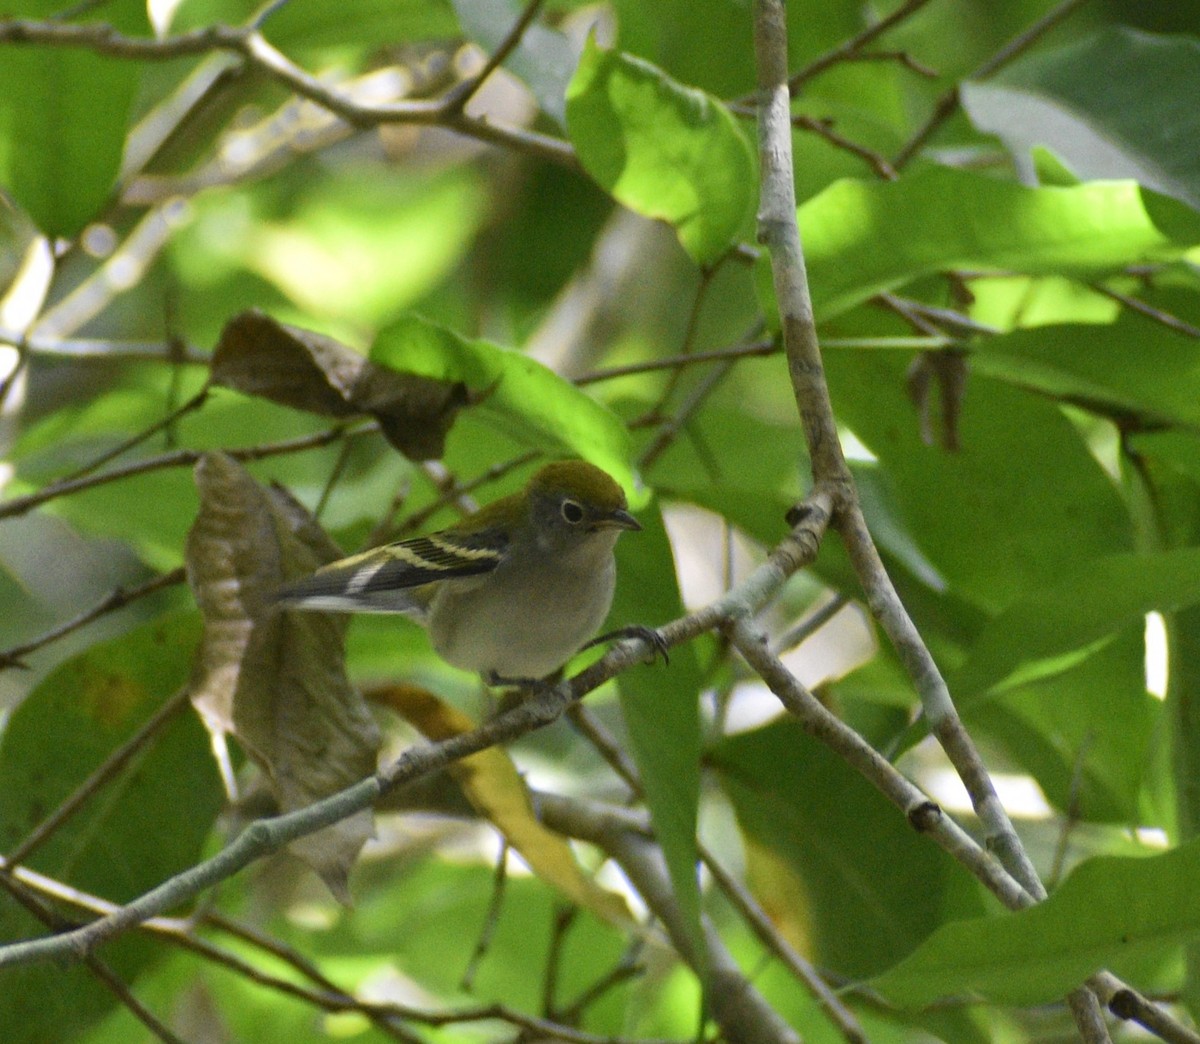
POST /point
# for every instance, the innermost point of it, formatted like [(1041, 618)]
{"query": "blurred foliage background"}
[(999, 211)]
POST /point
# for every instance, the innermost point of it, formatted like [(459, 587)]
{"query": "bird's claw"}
[(651, 636)]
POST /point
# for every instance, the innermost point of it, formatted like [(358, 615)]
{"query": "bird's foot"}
[(652, 637)]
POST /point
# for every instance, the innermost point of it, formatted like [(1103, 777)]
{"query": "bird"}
[(512, 591)]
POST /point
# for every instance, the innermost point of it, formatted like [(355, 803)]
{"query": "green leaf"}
[(832, 829), (865, 237), (661, 149), (992, 518), (1112, 912), (1117, 104), (659, 704), (1055, 627), (519, 395), (1090, 766), (367, 243), (1133, 368), (63, 116), (306, 27), (145, 825)]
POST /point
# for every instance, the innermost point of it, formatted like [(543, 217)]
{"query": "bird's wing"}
[(384, 579)]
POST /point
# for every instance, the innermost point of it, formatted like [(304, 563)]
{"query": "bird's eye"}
[(572, 512)]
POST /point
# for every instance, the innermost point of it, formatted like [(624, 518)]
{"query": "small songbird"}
[(512, 591)]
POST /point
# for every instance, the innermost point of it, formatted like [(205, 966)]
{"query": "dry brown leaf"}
[(274, 680), (305, 370), (495, 788)]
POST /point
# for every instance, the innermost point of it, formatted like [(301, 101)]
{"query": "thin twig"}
[(101, 775), (851, 49), (117, 599), (100, 969), (812, 623), (670, 430), (564, 917), (251, 45), (753, 350), (194, 403), (447, 497), (824, 128), (265, 836), (1126, 1003), (179, 459), (328, 995), (624, 835), (948, 103), (456, 99), (1144, 308), (739, 898), (490, 919), (689, 332)]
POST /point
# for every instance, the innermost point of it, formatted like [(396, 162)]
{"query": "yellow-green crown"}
[(577, 478)]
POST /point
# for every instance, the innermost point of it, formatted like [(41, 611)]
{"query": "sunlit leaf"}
[(1110, 913), (864, 237), (661, 149), (517, 394), (1133, 369)]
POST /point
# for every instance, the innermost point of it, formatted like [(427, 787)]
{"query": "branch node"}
[(925, 816), (1124, 1004)]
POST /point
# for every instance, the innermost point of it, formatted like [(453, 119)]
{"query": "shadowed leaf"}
[(308, 371), (276, 680)]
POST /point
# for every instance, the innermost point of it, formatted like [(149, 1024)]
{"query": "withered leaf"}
[(308, 371), (275, 680), (495, 788)]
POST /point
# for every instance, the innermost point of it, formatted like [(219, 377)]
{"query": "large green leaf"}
[(146, 824), (661, 149), (1020, 501), (661, 710), (1133, 368), (864, 237), (1058, 625), (1112, 912), (63, 116), (831, 828), (518, 394), (1117, 104), (1091, 766)]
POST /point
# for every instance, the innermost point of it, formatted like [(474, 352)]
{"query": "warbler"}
[(512, 591)]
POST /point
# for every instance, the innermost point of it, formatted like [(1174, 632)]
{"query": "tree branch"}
[(249, 43), (738, 1008), (266, 836), (779, 230)]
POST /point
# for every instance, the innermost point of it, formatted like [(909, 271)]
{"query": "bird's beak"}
[(620, 519)]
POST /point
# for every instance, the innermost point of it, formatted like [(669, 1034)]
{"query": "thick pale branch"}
[(738, 1008), (779, 231)]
